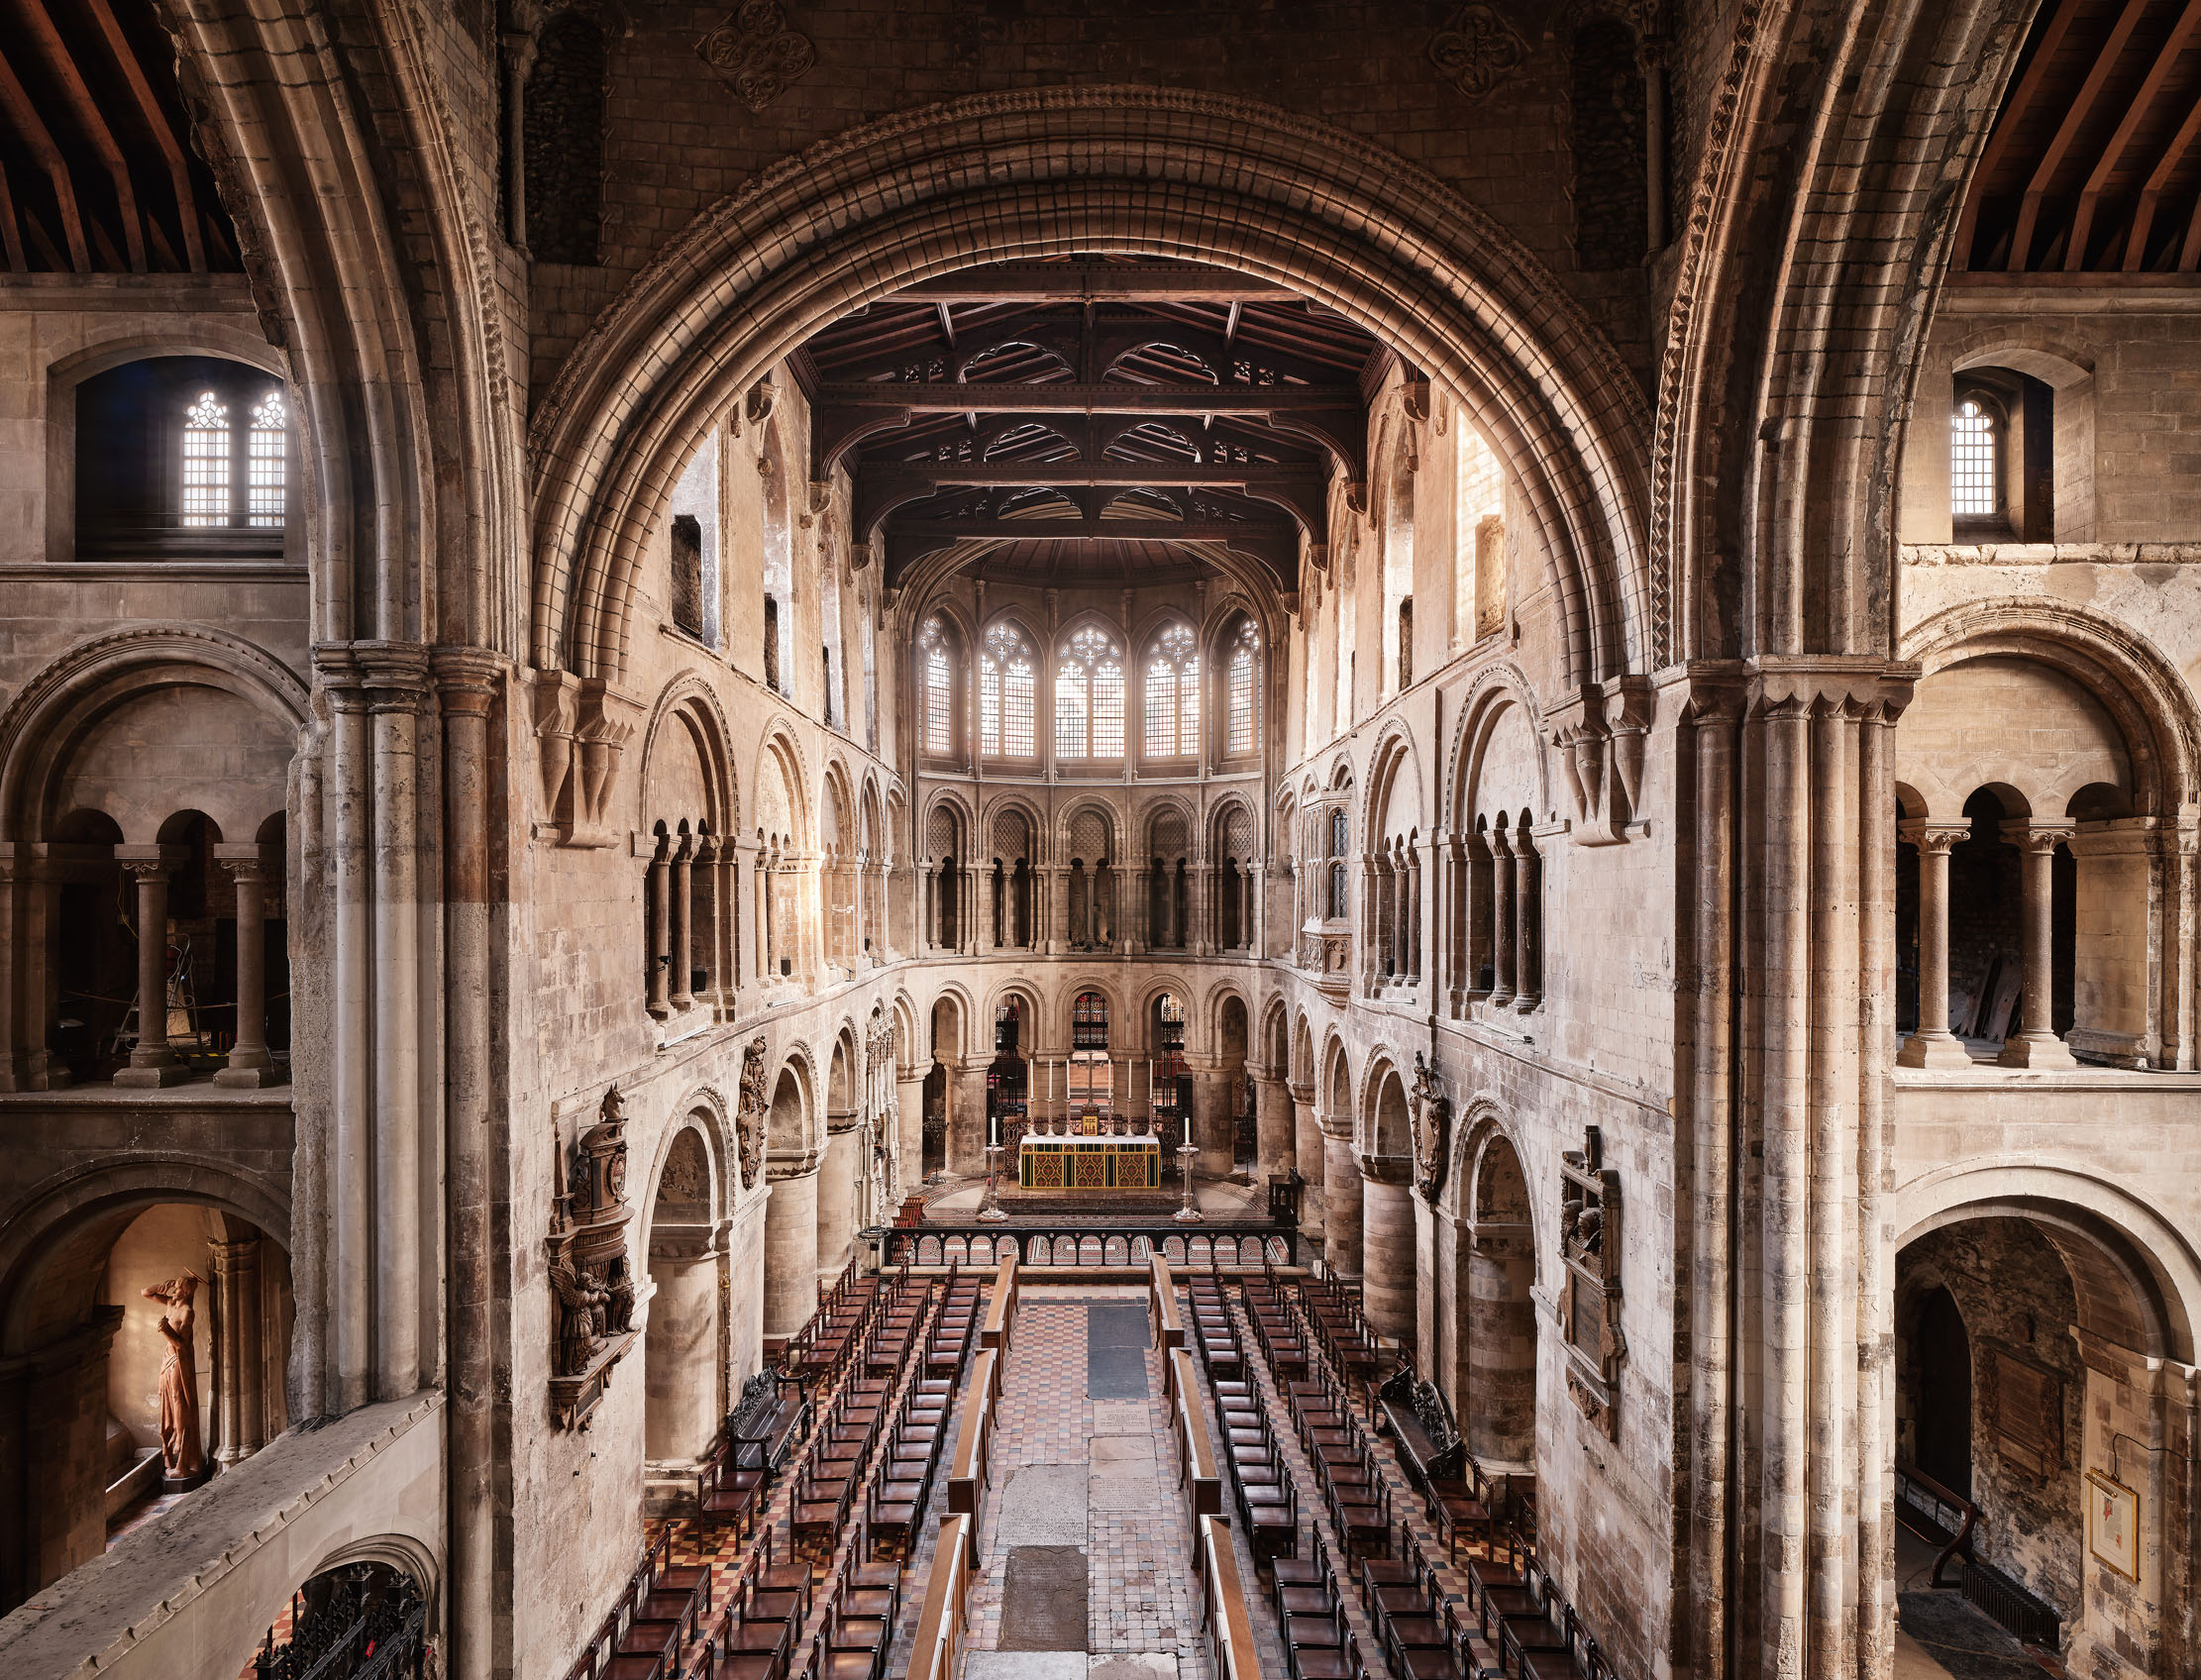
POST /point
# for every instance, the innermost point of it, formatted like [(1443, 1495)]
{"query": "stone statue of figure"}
[(181, 1454), (580, 1303)]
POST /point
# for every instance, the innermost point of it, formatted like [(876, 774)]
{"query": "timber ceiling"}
[(1089, 422), (97, 176), (2092, 171)]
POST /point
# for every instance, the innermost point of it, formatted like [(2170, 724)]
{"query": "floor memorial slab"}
[(1043, 1600)]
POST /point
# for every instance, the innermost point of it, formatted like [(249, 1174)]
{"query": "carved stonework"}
[(750, 1117), (1478, 51), (755, 53), (582, 730), (1430, 1111), (589, 1274), (1590, 1280)]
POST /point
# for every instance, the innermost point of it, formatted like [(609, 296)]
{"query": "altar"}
[(1089, 1161)]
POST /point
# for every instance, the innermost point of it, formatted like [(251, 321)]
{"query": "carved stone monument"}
[(750, 1118), (1590, 1280), (1430, 1111), (183, 1454), (589, 1274)]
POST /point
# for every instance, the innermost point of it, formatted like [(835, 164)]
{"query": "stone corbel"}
[(583, 727), (1629, 707), (1577, 731)]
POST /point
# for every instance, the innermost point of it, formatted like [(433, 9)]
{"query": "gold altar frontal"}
[(1089, 1163)]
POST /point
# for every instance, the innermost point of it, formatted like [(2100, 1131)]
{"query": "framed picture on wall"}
[(2113, 1523)]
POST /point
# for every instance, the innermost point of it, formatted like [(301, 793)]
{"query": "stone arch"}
[(957, 830), (1481, 709), (1084, 823), (45, 723), (688, 712), (1119, 1024), (1380, 1113), (794, 1122), (1353, 227), (783, 787), (958, 1004), (1302, 1050), (1488, 1311), (1275, 1040)]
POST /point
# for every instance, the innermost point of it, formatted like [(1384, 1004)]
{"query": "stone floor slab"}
[(1120, 1418), (1134, 1665), (1044, 1504), (1043, 1600), (1026, 1665)]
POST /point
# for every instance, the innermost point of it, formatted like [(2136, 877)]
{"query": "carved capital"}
[(2038, 835), (466, 680), (1937, 837)]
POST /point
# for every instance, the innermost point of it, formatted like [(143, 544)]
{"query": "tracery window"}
[(1090, 1078), (1974, 462), (206, 462), (936, 679), (1241, 689), (1173, 695), (264, 462), (1008, 695), (1088, 696)]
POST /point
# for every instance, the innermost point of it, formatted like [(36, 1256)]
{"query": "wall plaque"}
[(2023, 1405), (2113, 1523)]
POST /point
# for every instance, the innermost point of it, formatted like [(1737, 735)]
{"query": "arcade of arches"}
[(644, 645)]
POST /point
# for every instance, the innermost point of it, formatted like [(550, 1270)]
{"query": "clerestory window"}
[(1008, 695), (1173, 695), (1088, 696)]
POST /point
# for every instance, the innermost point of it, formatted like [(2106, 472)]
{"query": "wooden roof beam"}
[(941, 396), (71, 78), (2151, 192), (24, 115), (171, 151), (2144, 102), (2006, 124), (1098, 283), (2081, 107)]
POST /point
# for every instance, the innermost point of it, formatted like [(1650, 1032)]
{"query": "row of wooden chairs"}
[(955, 1331), (656, 1630), (1333, 1317), (901, 1483), (821, 1350)]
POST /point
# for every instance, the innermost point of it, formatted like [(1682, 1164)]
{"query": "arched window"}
[(1479, 540), (936, 682), (206, 462), (265, 451), (1242, 690), (1974, 460), (1340, 836), (1088, 696), (1173, 695), (1008, 695), (180, 455)]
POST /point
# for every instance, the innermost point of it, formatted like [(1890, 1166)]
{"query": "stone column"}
[(239, 1432), (151, 1061), (681, 1363), (1502, 950), (1387, 1246), (683, 904), (909, 1122), (1527, 915), (791, 1247), (2037, 1045), (1275, 1143), (660, 932), (1932, 1045), (1211, 1127), (249, 1065), (836, 1195), (1341, 1198), (1498, 1410), (1307, 1155)]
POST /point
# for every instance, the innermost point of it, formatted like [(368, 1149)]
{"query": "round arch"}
[(1272, 194)]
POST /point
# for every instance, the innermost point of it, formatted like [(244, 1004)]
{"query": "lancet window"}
[(1088, 696), (1173, 695), (1008, 695)]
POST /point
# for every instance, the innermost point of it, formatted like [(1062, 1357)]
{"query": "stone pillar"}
[(1307, 1152), (681, 1363), (249, 1065), (909, 1122), (1527, 915), (1387, 1246), (239, 1432), (967, 1119), (791, 1247), (1211, 1127), (2037, 1045), (836, 1195), (684, 903), (1502, 950), (1498, 1408), (1275, 1143), (660, 932), (151, 1061), (1341, 1198), (1932, 1045)]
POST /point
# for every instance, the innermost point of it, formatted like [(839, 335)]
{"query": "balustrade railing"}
[(1246, 1247)]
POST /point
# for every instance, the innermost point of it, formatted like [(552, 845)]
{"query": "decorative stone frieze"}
[(755, 52)]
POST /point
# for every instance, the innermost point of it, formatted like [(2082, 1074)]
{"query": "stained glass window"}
[(206, 462), (1244, 662), (1973, 461), (263, 464), (1008, 695), (1173, 695), (1088, 696), (937, 670)]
